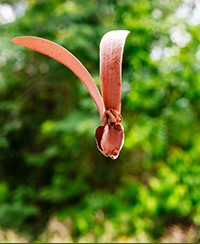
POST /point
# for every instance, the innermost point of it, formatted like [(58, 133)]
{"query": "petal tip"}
[(14, 40)]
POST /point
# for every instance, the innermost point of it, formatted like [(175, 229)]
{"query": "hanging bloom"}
[(110, 136)]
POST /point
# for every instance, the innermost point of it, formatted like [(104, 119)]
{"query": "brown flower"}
[(110, 136)]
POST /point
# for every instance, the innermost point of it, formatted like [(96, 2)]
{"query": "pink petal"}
[(111, 51), (63, 56)]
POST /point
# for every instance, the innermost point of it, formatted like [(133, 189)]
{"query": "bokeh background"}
[(55, 186)]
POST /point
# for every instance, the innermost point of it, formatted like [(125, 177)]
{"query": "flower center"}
[(111, 116)]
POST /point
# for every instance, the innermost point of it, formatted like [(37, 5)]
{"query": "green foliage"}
[(49, 163)]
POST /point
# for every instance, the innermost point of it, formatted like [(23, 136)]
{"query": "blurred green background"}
[(54, 183)]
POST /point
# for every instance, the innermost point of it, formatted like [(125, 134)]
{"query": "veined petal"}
[(111, 51), (63, 56)]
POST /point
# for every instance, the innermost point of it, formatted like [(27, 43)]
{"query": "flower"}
[(110, 136)]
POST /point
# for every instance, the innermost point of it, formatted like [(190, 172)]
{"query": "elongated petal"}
[(111, 51), (63, 56)]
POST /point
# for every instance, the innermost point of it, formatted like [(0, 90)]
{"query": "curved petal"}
[(111, 51), (63, 56), (110, 139)]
